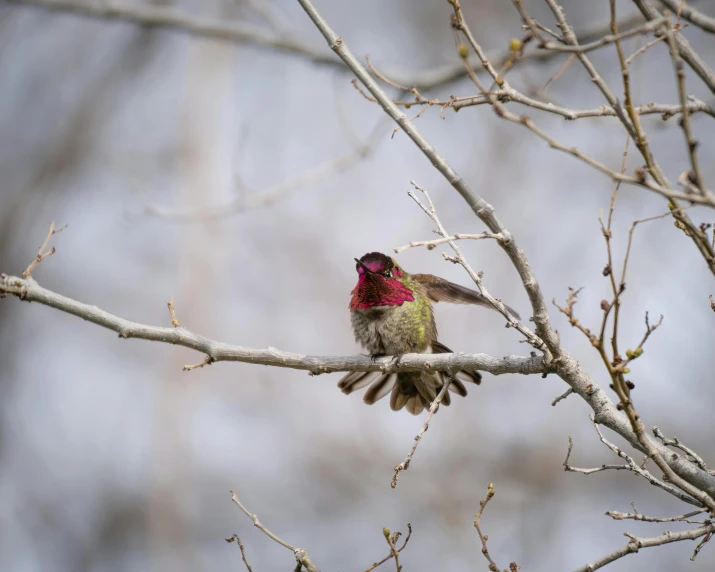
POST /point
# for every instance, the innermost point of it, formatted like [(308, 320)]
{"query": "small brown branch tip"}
[(174, 321), (404, 465), (392, 539), (561, 397), (236, 539), (302, 558), (483, 537), (208, 360), (41, 254)]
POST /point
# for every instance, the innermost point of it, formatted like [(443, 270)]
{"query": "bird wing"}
[(441, 290)]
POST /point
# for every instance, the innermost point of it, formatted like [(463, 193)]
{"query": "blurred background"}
[(176, 159)]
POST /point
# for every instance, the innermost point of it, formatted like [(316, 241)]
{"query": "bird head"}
[(381, 282)]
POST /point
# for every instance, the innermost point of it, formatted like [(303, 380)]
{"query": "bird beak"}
[(365, 268)]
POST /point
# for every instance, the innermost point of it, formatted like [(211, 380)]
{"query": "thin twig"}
[(404, 465), (646, 28), (643, 49), (663, 189), (181, 21), (174, 321), (567, 63), (300, 555), (512, 321), (608, 235), (635, 543), (630, 119), (700, 545), (243, 550), (675, 442), (615, 515), (573, 320), (509, 94), (41, 254), (483, 537), (561, 397), (391, 555), (632, 466), (570, 469), (430, 244), (208, 360), (692, 58), (391, 539), (691, 143), (692, 15)]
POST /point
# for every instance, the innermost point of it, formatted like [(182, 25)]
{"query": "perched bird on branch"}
[(391, 313)]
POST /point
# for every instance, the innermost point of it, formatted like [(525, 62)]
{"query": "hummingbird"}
[(391, 314)]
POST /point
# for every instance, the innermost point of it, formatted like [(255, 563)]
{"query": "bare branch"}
[(206, 361), (430, 244), (692, 15), (404, 465), (568, 311), (172, 313), (631, 122), (509, 94), (700, 545), (170, 18), (643, 49), (243, 550), (561, 397), (483, 537), (632, 466), (686, 51), (570, 469), (635, 543), (185, 22), (392, 540), (685, 122), (646, 28), (30, 291), (615, 515), (512, 321), (41, 254), (659, 186), (675, 442), (300, 555)]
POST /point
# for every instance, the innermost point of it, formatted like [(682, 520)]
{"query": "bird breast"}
[(394, 330)]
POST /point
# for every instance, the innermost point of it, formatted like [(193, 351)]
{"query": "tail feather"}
[(469, 376), (398, 398), (458, 387), (380, 388), (426, 386), (414, 404), (357, 380), (409, 390), (446, 400)]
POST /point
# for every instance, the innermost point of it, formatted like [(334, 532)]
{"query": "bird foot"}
[(396, 359)]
